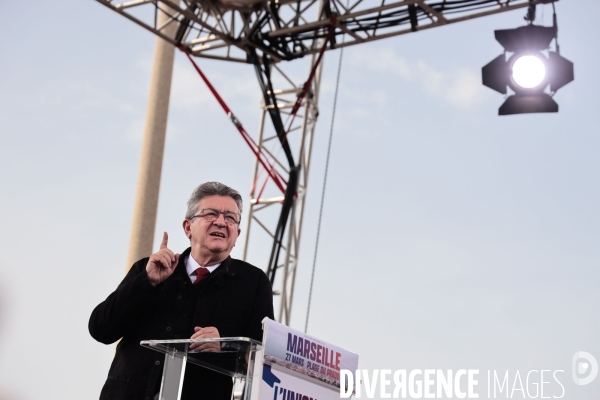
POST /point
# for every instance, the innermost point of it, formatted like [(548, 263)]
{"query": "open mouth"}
[(218, 234)]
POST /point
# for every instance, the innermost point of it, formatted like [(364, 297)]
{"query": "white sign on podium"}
[(295, 366)]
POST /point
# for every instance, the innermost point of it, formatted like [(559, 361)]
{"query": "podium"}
[(289, 364), (233, 356)]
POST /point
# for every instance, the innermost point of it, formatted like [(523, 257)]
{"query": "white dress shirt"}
[(192, 265)]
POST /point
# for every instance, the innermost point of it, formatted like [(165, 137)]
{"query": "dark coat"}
[(234, 298)]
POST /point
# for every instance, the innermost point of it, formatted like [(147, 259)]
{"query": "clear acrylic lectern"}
[(234, 357)]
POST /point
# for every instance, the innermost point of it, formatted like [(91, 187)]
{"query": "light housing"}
[(527, 41)]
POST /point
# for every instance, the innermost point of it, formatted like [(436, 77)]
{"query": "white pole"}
[(153, 145)]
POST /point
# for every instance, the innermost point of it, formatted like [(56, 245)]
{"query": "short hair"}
[(211, 189)]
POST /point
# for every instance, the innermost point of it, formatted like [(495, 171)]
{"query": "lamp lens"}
[(528, 71)]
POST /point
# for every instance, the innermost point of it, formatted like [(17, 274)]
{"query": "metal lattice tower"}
[(265, 200), (266, 34)]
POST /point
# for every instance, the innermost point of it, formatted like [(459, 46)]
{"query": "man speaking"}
[(200, 293)]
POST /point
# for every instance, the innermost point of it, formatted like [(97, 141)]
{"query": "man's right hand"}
[(162, 263)]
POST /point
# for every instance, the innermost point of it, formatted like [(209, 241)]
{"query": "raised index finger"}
[(165, 240)]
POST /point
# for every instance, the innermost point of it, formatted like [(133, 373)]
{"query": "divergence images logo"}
[(585, 368)]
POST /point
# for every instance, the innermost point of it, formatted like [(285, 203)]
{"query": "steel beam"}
[(286, 30), (265, 198)]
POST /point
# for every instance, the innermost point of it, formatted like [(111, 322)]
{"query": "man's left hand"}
[(204, 333)]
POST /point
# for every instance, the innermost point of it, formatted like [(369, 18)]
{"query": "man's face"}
[(212, 240)]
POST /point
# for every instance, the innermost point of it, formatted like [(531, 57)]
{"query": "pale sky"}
[(452, 238)]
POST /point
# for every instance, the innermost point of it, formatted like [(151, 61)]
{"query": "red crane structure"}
[(269, 34)]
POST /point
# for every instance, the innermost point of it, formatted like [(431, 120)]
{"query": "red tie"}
[(200, 274)]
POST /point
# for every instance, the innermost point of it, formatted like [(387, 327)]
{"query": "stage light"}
[(532, 71)]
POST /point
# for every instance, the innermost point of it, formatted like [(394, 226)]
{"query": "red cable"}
[(333, 21), (262, 189), (253, 146), (269, 167)]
